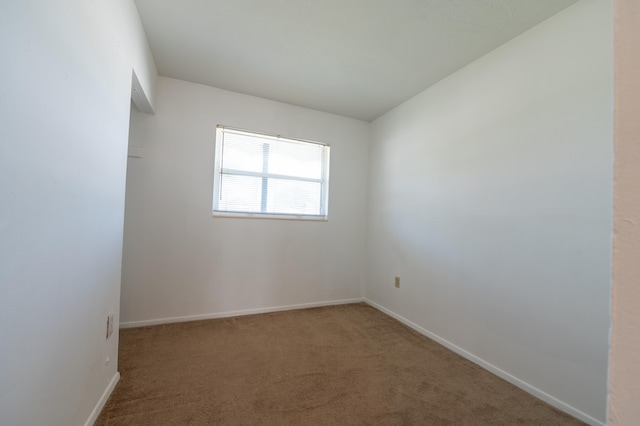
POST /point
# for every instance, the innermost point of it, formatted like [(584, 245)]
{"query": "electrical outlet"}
[(109, 325), (397, 282)]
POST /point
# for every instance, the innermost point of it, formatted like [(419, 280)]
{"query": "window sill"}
[(244, 215)]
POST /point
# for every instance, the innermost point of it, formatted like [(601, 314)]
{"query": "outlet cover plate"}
[(109, 325)]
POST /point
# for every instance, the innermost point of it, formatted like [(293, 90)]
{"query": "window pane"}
[(242, 152), (296, 159), (293, 197), (240, 193)]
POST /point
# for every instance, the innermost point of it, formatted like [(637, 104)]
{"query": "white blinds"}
[(258, 173)]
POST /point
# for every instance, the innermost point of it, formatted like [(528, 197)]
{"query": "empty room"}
[(290, 212)]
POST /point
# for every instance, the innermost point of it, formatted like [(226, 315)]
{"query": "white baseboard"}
[(492, 368), (143, 323), (103, 400)]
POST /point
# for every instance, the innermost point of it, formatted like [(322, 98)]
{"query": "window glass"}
[(269, 176)]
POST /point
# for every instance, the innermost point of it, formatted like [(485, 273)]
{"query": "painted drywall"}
[(491, 199), (179, 261), (624, 391), (64, 114)]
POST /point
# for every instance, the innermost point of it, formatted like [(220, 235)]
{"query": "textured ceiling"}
[(357, 58)]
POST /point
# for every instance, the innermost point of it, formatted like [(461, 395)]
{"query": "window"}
[(259, 175)]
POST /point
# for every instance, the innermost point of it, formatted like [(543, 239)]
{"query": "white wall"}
[(624, 396), (64, 113), (490, 196), (179, 261)]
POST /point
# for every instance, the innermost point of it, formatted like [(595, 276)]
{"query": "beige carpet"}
[(339, 365)]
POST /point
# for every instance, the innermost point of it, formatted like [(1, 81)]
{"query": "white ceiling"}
[(357, 58)]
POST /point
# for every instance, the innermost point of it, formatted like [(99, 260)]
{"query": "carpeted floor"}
[(338, 365)]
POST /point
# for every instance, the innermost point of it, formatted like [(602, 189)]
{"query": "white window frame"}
[(218, 172)]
